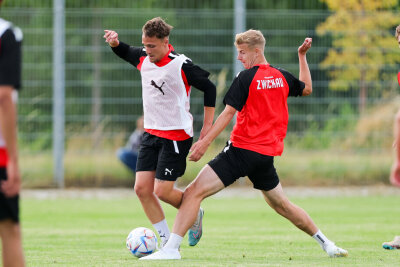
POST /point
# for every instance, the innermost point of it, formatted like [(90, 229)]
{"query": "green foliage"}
[(363, 44), (330, 134)]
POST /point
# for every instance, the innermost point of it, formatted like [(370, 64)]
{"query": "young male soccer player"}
[(259, 95), (167, 78), (10, 179), (395, 172)]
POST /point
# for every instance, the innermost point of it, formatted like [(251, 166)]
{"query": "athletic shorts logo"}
[(153, 83), (168, 171), (227, 146)]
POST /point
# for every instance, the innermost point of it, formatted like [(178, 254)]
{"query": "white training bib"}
[(165, 100)]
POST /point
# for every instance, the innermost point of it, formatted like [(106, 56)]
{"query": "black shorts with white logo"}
[(166, 157), (9, 207), (233, 163)]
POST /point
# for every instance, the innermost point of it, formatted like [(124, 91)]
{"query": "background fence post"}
[(239, 26), (58, 91)]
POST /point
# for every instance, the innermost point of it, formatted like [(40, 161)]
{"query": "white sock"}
[(322, 240), (174, 242), (163, 230)]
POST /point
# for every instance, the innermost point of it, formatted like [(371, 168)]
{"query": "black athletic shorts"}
[(166, 157), (9, 207), (233, 163)]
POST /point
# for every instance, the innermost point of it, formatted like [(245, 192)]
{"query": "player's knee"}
[(193, 191), (143, 191), (9, 228)]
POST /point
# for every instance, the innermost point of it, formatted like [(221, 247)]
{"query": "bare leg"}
[(206, 184), (10, 233), (281, 204), (144, 189), (167, 192)]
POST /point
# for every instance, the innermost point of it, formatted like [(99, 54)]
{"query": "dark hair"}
[(156, 27)]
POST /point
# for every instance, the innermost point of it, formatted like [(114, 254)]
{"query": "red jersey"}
[(260, 95)]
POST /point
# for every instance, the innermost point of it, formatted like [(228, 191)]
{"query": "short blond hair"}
[(251, 37), (397, 31)]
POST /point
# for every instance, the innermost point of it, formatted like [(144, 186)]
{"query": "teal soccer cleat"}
[(196, 231), (395, 244)]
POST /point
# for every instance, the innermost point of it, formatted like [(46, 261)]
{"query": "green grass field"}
[(237, 232)]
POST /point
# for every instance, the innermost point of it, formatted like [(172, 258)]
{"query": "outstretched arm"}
[(304, 73), (200, 147), (128, 53)]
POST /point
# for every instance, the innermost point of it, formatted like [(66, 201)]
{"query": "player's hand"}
[(12, 185), (111, 38), (197, 150), (305, 46)]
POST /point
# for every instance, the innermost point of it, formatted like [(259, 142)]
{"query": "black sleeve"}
[(10, 60), (198, 78), (296, 86), (239, 90), (128, 53)]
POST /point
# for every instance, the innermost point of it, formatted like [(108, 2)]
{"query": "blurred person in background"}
[(167, 78), (128, 154), (259, 96), (395, 172), (10, 177)]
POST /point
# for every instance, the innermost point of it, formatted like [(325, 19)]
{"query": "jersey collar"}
[(165, 60), (262, 66)]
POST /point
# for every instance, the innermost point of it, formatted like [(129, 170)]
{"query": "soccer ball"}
[(141, 241)]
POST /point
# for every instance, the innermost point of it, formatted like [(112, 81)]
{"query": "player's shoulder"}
[(141, 50), (7, 29), (281, 70), (247, 73), (173, 54), (4, 26)]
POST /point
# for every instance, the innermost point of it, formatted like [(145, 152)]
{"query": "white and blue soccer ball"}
[(141, 242)]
